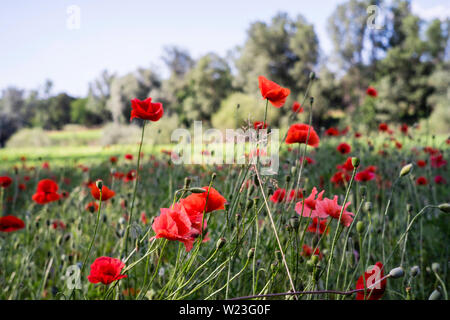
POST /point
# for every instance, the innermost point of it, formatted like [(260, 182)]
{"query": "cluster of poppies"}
[(184, 221)]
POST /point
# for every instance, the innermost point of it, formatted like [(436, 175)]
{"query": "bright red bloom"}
[(106, 192), (146, 110), (113, 159), (144, 218), (308, 160), (333, 132), (371, 92), (259, 125), (421, 163), (398, 145), (10, 224), (344, 148), (364, 176), (439, 180), (198, 201), (295, 195), (347, 165), (404, 128), (438, 161), (278, 195), (273, 92), (358, 135), (329, 207), (46, 192), (298, 133), (130, 176), (374, 287), (58, 224), (174, 224), (318, 226), (345, 130), (297, 108), (5, 182), (92, 207), (309, 205), (339, 177), (45, 165), (106, 270), (129, 156), (308, 251), (421, 181), (22, 186), (383, 127)]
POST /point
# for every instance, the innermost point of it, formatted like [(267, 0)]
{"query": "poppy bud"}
[(310, 265), (311, 100), (273, 265), (197, 190), (444, 207), (435, 295), (238, 217), (355, 162), (397, 273), (294, 222), (293, 170), (270, 191), (405, 170), (315, 259), (415, 270), (288, 179), (436, 267), (409, 208), (213, 176), (360, 227), (187, 182), (220, 243), (312, 75), (99, 184), (251, 253)]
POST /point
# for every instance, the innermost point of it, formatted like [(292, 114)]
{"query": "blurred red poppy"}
[(374, 287), (259, 125), (439, 180), (273, 92), (46, 192), (298, 133), (364, 176), (278, 195), (5, 182), (383, 127), (129, 156), (404, 128), (344, 148), (333, 132), (106, 270), (10, 224), (92, 207), (437, 161), (297, 108), (308, 251), (113, 159), (146, 110), (318, 226), (421, 181), (421, 163), (106, 193), (371, 91)]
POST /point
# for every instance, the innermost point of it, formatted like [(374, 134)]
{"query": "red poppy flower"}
[(129, 156), (5, 182), (22, 187), (358, 135), (347, 165), (332, 132), (308, 160), (144, 218), (421, 181), (439, 180), (10, 224), (404, 128), (113, 159), (146, 110), (106, 270), (106, 193), (259, 125), (383, 127), (364, 176), (278, 195), (318, 226), (45, 165), (330, 207), (273, 92), (374, 287), (197, 201), (174, 224), (46, 192), (339, 177), (398, 145), (344, 148), (309, 206), (295, 195), (307, 251), (58, 224), (92, 207), (371, 92), (298, 133), (421, 163), (438, 161), (130, 176), (297, 108), (345, 130)]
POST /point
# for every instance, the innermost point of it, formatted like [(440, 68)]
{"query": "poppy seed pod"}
[(397, 273), (405, 170), (251, 253), (435, 295), (287, 179), (99, 184), (312, 75), (220, 243), (213, 176), (436, 267), (415, 270), (355, 162), (360, 227), (187, 182), (197, 190), (444, 207)]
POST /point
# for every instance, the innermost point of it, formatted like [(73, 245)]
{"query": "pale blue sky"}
[(123, 35)]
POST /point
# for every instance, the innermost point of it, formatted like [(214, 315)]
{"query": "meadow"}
[(254, 236)]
